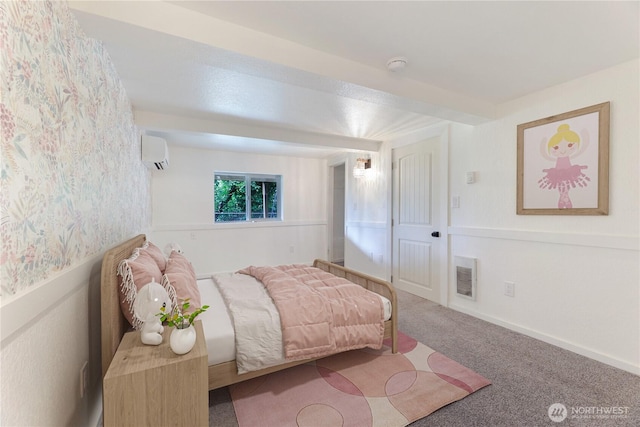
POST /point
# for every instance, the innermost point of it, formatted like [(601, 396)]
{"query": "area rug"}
[(357, 388)]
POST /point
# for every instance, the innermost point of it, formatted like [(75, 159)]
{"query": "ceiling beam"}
[(361, 81), (149, 120)]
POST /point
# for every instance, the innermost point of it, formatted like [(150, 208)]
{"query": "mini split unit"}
[(155, 154)]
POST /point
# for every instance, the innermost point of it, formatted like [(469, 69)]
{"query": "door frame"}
[(441, 132)]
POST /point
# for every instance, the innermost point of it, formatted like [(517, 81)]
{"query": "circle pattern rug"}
[(356, 388)]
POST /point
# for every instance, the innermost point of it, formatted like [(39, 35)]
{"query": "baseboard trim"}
[(549, 339), (95, 409)]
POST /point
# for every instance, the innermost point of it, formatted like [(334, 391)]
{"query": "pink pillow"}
[(135, 272), (181, 276), (156, 254)]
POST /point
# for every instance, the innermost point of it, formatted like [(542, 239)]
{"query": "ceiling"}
[(309, 78)]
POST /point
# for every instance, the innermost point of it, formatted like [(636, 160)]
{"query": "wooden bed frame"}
[(114, 325)]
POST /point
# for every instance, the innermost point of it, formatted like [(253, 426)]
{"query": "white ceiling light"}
[(396, 63)]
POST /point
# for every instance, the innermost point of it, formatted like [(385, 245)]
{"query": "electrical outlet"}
[(84, 379), (510, 289)]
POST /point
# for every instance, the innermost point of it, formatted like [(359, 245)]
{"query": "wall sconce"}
[(361, 166)]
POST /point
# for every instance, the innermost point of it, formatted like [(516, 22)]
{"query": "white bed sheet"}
[(218, 327), (216, 324)]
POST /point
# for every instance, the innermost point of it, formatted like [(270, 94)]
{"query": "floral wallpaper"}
[(71, 180)]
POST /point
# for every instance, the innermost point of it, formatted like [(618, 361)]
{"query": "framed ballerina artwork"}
[(563, 164)]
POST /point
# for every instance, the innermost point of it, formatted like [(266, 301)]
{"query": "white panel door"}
[(416, 222)]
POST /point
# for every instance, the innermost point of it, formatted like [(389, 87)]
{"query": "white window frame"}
[(248, 177)]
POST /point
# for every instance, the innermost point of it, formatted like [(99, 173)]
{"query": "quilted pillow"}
[(181, 276), (135, 272)]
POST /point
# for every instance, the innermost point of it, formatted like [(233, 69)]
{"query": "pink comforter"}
[(320, 313)]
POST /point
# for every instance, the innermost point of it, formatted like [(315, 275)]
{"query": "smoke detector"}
[(396, 63)]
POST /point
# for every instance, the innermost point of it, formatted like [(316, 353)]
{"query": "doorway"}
[(336, 238), (419, 254)]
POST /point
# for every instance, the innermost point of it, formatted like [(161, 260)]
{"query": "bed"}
[(114, 324)]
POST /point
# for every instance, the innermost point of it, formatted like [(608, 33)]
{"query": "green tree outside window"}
[(233, 203)]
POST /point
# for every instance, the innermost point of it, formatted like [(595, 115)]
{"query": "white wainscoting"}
[(631, 243)]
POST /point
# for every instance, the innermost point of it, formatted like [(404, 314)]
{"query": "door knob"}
[(435, 234)]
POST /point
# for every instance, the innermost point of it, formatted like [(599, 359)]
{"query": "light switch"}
[(471, 177)]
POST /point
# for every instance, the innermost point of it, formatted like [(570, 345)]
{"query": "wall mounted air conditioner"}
[(155, 154)]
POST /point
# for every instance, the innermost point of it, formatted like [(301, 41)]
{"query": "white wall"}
[(366, 216), (182, 199), (56, 330), (577, 277)]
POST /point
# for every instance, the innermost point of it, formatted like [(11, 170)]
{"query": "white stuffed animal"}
[(146, 306), (172, 247)]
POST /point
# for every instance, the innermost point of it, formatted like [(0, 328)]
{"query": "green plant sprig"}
[(176, 316)]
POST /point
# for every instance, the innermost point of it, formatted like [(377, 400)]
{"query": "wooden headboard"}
[(113, 324)]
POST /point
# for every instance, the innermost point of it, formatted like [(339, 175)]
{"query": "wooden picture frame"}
[(563, 164)]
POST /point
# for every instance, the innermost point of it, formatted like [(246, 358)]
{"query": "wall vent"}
[(465, 276)]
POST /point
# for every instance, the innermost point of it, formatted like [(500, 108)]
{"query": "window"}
[(233, 202)]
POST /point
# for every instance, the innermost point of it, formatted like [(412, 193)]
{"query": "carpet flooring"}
[(527, 375)]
